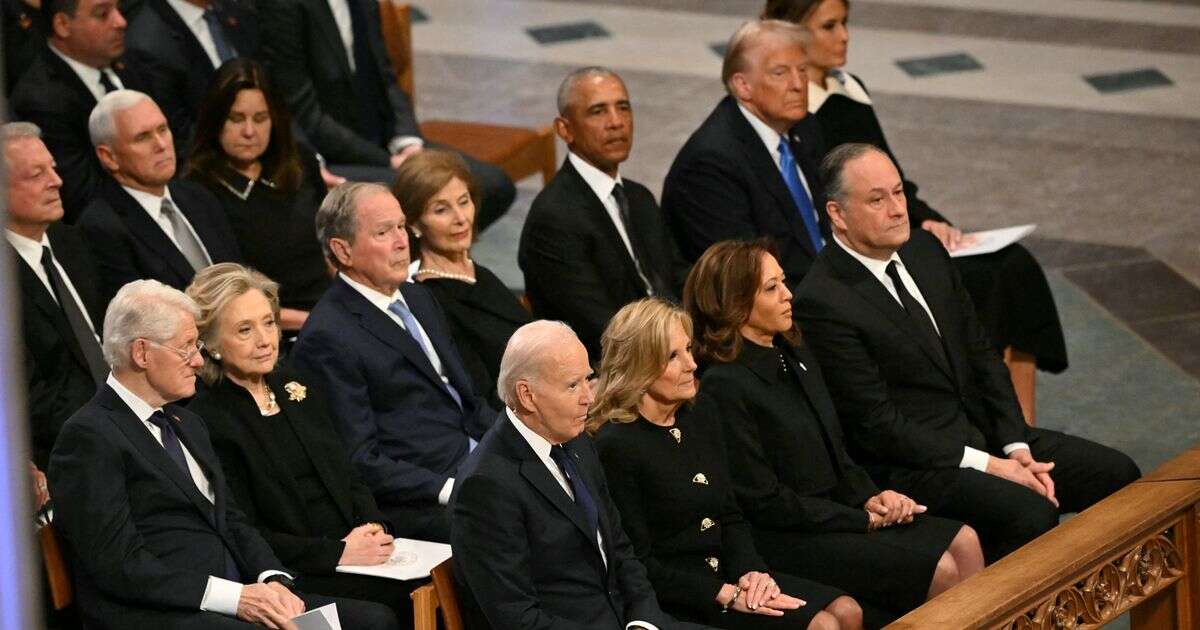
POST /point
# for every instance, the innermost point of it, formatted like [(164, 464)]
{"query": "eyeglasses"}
[(183, 353)]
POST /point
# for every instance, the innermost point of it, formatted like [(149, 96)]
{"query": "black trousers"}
[(1007, 515), (430, 523), (352, 614), (392, 593)]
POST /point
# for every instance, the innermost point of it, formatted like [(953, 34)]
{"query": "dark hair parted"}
[(833, 167), (51, 8), (281, 160), (424, 175), (793, 10), (719, 296)]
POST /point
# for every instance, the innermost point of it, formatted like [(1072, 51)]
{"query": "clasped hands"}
[(758, 594), (367, 545), (889, 508), (1020, 467)]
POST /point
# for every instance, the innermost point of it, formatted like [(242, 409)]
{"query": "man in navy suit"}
[(382, 349), (140, 496), (144, 224)]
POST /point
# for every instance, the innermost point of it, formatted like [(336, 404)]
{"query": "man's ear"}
[(836, 214), (525, 396), (562, 128), (60, 25), (107, 159), (341, 251), (137, 353), (741, 87)]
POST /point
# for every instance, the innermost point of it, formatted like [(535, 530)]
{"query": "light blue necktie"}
[(410, 324), (791, 177)]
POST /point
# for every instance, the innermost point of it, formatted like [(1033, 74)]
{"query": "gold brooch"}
[(706, 524), (296, 391), (713, 563), (700, 478), (677, 434)]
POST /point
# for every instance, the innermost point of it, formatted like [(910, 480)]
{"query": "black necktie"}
[(657, 287), (916, 312), (84, 336), (583, 498), (107, 83)]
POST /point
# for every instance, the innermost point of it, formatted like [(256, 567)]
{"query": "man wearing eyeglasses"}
[(141, 499)]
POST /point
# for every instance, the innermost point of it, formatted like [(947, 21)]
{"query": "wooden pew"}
[(1135, 551)]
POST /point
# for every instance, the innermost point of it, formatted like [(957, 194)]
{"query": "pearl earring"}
[(416, 233), (215, 355)]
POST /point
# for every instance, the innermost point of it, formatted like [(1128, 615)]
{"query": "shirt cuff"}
[(444, 495), (1015, 446), (221, 596), (269, 572), (974, 458), (399, 143), (640, 624)]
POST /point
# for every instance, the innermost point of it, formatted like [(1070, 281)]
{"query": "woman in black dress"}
[(813, 511), (244, 152), (439, 199), (666, 472), (1008, 287), (286, 467)]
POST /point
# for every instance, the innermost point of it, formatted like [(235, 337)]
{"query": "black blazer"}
[(140, 536), (24, 37), (131, 246), (339, 110), (724, 185), (904, 405), (57, 375), (181, 68), (523, 550), (54, 98), (404, 431), (261, 481), (576, 267), (790, 468)]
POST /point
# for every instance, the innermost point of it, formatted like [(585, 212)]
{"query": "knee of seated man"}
[(1034, 517)]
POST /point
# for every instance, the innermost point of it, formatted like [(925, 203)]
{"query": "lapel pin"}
[(700, 479), (677, 434)]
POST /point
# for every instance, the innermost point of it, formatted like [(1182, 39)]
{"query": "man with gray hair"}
[(381, 349), (537, 540), (594, 241), (750, 170), (145, 225), (140, 496)]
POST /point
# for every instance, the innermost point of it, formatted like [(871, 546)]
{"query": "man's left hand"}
[(1040, 470), (951, 237)]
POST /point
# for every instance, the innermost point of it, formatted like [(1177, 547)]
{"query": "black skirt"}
[(816, 597)]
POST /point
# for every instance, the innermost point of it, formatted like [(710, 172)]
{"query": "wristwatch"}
[(281, 579)]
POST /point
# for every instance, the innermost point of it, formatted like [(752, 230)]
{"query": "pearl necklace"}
[(271, 406), (428, 271)]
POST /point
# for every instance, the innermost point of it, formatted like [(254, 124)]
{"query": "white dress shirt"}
[(382, 302), (89, 75), (152, 204), (220, 595), (603, 186), (193, 18), (771, 139), (972, 457), (31, 252)]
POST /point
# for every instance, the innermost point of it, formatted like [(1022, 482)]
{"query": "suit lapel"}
[(194, 212), (36, 294), (598, 215), (74, 263), (149, 233), (197, 58), (420, 301), (325, 23), (386, 330), (295, 413), (67, 76), (935, 297)]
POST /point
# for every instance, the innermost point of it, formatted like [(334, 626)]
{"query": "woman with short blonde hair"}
[(212, 289)]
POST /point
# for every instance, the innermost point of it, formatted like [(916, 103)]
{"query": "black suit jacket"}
[(58, 378), (263, 483), (140, 535), (132, 246), (182, 70), (576, 267), (524, 550), (309, 65), (724, 185), (404, 431), (54, 98), (904, 405)]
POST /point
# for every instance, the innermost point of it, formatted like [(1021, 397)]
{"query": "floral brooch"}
[(296, 391)]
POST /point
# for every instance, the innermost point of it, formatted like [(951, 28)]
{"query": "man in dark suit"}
[(926, 401), (189, 40), (140, 497), (328, 59), (150, 226), (61, 304), (537, 540), (398, 392), (83, 59), (750, 169), (594, 241)]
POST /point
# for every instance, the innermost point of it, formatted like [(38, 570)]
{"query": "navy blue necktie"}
[(225, 51), (583, 498), (791, 177)]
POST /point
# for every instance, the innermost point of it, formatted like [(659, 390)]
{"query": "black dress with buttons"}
[(800, 490), (677, 506)]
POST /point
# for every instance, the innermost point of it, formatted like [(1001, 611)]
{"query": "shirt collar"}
[(838, 82), (190, 13), (150, 202), (89, 75), (769, 136), (140, 408), (878, 268), (29, 249), (374, 297), (540, 445), (596, 179)]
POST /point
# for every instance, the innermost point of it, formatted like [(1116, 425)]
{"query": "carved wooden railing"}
[(1135, 551)]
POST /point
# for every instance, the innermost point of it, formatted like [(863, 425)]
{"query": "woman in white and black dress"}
[(1008, 287)]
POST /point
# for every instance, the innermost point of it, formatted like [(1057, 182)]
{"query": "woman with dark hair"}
[(1008, 287), (813, 512), (243, 151), (440, 198), (665, 465)]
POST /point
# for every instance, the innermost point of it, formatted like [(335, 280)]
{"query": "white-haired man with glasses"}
[(141, 499)]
